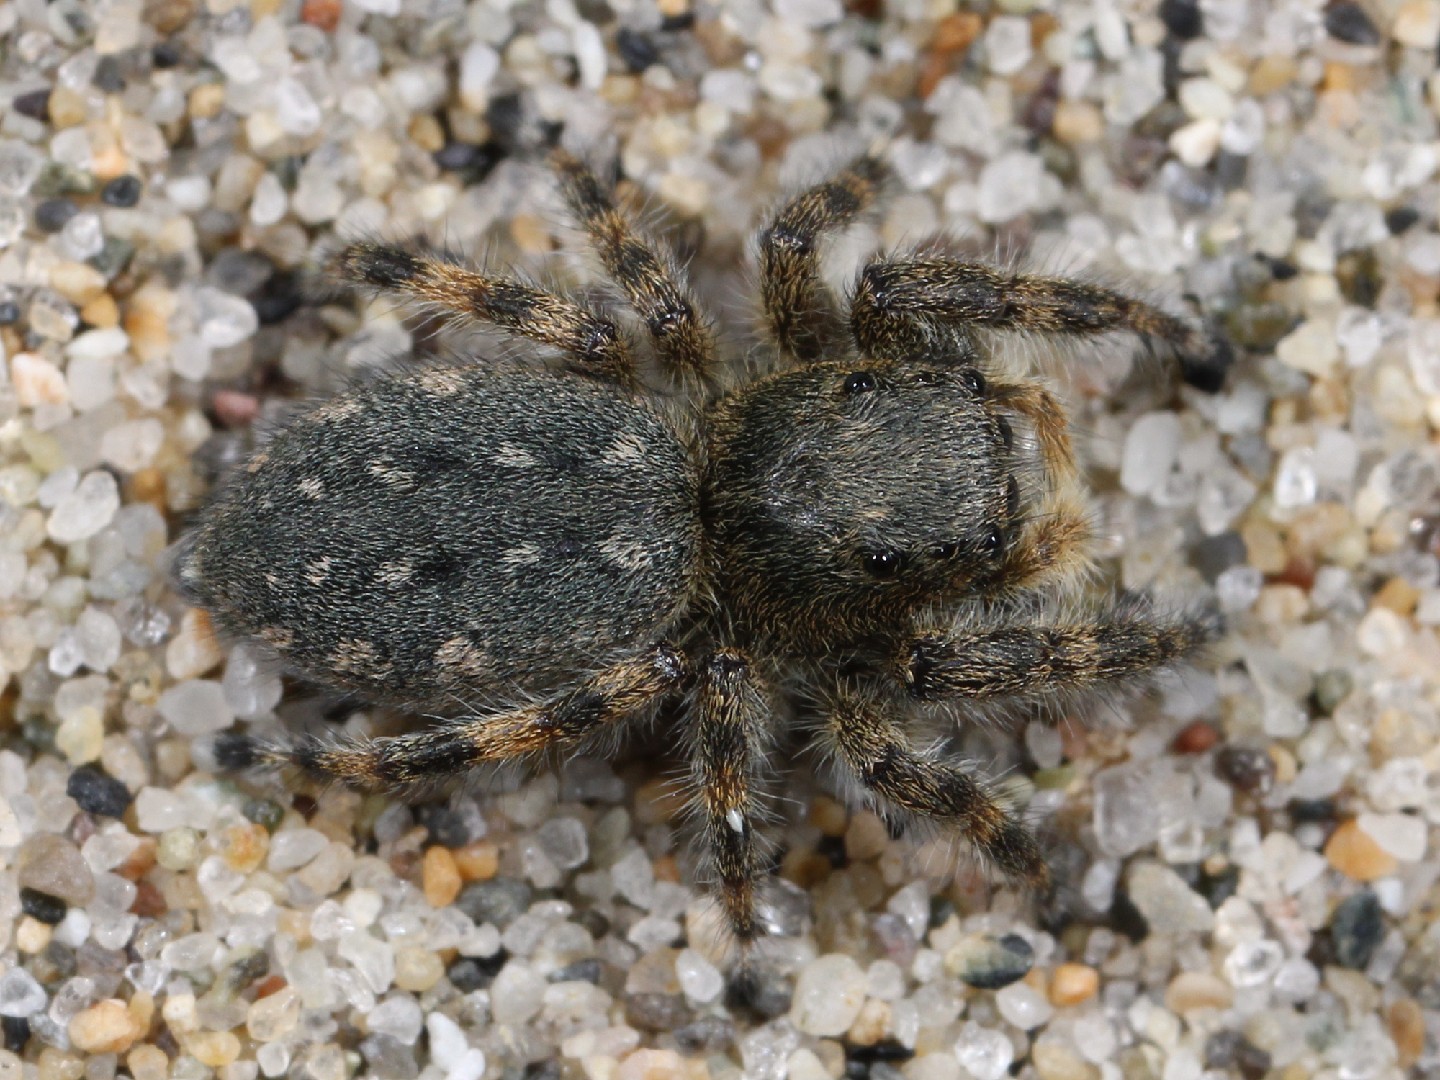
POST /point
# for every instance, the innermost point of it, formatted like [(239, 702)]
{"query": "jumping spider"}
[(881, 519)]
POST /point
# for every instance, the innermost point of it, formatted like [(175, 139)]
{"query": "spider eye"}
[(973, 381), (992, 544), (859, 382), (1007, 433), (945, 551), (883, 562)]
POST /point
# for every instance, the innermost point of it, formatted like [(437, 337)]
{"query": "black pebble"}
[(35, 104), (1182, 18), (1217, 888), (165, 56), (9, 312), (278, 299), (1127, 918), (475, 973), (833, 849), (473, 161), (122, 191), (447, 828), (16, 1031), (1356, 929), (1400, 219), (884, 1050), (1227, 1050), (264, 812), (709, 1034), (499, 901), (1213, 555), (42, 907), (1312, 811), (636, 49), (996, 962), (107, 76), (52, 214), (657, 1012), (1345, 20), (1246, 768), (580, 971), (97, 793), (764, 992)]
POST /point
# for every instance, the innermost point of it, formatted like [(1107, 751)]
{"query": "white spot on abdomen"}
[(625, 450), (514, 456), (521, 555), (736, 820), (395, 573), (626, 552)]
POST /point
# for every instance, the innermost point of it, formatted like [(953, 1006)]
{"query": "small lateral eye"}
[(945, 551), (992, 544), (883, 562), (859, 382), (1007, 433), (973, 381)]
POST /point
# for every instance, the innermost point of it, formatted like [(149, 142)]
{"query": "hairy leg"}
[(800, 313), (729, 738), (1050, 538), (907, 306), (870, 741), (588, 338), (451, 748), (1048, 656), (654, 287)]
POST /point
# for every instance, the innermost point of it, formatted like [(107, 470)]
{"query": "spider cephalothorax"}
[(878, 518)]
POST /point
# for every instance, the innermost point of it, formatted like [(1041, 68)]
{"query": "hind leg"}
[(451, 749)]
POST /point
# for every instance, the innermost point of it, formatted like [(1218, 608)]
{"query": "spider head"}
[(841, 498)]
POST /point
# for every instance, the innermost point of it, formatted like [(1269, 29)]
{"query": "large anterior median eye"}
[(859, 382), (883, 562)]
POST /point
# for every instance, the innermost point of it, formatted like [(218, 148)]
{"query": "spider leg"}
[(450, 749), (591, 340), (653, 286), (1051, 534), (800, 313), (730, 736), (905, 306), (870, 742), (1044, 657)]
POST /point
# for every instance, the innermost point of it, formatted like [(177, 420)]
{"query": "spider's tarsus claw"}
[(1206, 371), (236, 753)]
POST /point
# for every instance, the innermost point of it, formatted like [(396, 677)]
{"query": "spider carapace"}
[(879, 518)]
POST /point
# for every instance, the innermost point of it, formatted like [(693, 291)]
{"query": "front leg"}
[(909, 306), (867, 738), (1048, 657)]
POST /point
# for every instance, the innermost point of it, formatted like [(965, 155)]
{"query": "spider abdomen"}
[(445, 530)]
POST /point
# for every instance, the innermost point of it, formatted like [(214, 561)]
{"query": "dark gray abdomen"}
[(453, 529)]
